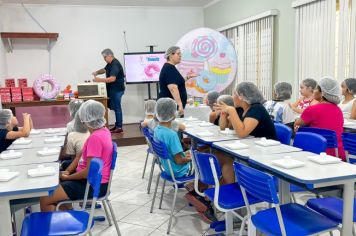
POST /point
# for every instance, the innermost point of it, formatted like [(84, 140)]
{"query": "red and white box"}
[(22, 82), (28, 98), (10, 82), (5, 98), (16, 95), (27, 91), (16, 98)]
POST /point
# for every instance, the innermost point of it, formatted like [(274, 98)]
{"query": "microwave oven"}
[(91, 90)]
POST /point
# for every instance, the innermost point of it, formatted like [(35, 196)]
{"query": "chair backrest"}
[(203, 168), (349, 141), (329, 135), (284, 133), (310, 142), (112, 168), (146, 132), (160, 149), (93, 181), (258, 184)]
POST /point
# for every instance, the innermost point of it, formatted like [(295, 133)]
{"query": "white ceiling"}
[(169, 3)]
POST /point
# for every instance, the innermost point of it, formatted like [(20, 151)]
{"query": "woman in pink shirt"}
[(98, 145), (326, 114)]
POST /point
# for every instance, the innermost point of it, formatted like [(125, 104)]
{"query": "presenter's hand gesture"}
[(96, 79), (180, 109), (191, 74)]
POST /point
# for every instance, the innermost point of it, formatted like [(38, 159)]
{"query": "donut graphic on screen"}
[(152, 69), (211, 56)]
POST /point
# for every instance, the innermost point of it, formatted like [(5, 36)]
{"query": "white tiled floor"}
[(132, 204)]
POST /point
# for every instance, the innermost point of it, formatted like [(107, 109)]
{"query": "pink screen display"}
[(141, 68)]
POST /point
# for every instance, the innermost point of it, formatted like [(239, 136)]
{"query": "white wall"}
[(3, 69), (84, 31)]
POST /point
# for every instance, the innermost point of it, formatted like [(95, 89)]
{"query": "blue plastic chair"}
[(329, 135), (288, 219), (149, 136), (349, 141), (332, 208), (105, 199), (284, 133), (71, 222), (310, 142), (161, 153), (227, 198)]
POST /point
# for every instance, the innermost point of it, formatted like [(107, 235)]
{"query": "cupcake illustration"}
[(221, 67)]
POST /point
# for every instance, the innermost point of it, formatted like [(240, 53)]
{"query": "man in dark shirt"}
[(115, 85)]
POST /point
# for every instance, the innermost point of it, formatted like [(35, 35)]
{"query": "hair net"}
[(170, 51), (166, 109), (107, 52), (5, 117), (227, 99), (92, 114), (74, 106), (330, 89), (309, 83), (212, 97), (283, 90), (78, 125), (250, 93), (150, 107), (351, 85)]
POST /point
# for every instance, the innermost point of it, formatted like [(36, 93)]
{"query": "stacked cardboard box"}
[(27, 94), (16, 95), (10, 82), (5, 94)]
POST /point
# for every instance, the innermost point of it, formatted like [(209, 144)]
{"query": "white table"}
[(254, 149), (62, 132), (30, 156), (23, 187), (350, 124), (313, 175), (202, 112), (38, 142)]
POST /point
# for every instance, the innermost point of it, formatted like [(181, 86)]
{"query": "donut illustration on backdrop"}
[(151, 69), (211, 56)]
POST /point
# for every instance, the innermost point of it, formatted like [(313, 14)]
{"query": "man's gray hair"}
[(107, 52)]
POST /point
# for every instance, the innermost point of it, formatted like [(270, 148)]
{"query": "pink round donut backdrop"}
[(46, 78)]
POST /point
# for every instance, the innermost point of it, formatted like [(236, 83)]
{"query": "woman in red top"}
[(326, 114)]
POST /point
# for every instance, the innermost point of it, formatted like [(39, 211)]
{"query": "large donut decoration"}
[(37, 86)]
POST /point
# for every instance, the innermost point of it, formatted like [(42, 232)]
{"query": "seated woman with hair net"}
[(253, 120), (326, 114), (74, 145), (98, 145), (223, 99), (73, 107), (9, 131), (151, 120), (278, 108)]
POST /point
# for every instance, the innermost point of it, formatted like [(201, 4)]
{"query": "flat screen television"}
[(143, 67)]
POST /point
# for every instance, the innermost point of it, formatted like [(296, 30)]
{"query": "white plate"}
[(324, 160), (10, 155), (228, 132), (288, 163), (52, 131), (43, 171), (206, 124), (53, 140), (6, 175), (205, 134), (236, 146), (35, 131), (191, 119), (48, 152), (22, 141), (267, 142), (348, 122)]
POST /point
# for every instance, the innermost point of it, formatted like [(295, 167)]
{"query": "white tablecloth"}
[(201, 112)]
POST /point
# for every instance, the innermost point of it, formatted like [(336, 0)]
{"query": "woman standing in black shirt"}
[(171, 82), (255, 119)]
